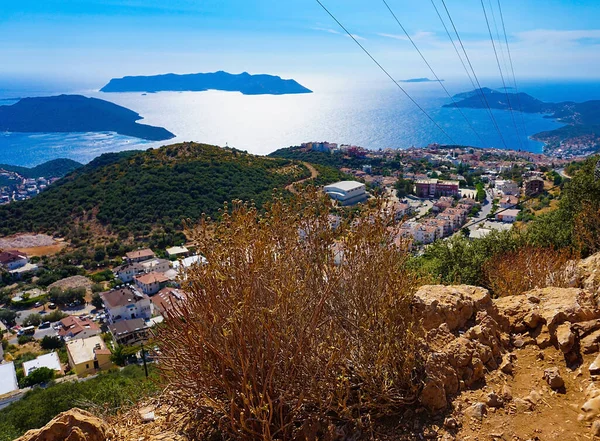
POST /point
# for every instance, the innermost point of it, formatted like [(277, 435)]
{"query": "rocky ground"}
[(519, 368)]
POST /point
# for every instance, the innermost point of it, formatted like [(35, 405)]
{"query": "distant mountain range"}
[(76, 113), (582, 119), (56, 168), (199, 82)]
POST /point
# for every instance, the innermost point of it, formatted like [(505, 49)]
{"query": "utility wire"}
[(501, 74), (505, 63), (479, 89), (387, 73), (512, 70), (432, 71)]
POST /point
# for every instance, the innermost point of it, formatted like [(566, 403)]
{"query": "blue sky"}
[(94, 40)]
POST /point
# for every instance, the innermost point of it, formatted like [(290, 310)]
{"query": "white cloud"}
[(422, 36), (328, 30), (556, 37)]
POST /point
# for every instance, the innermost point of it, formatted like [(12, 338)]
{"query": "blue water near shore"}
[(370, 115)]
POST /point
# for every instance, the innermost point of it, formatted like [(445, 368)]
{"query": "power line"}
[(504, 60), (479, 89), (386, 72), (501, 74), (512, 70), (432, 71)]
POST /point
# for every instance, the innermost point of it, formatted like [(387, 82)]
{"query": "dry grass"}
[(528, 268), (277, 341), (587, 229)]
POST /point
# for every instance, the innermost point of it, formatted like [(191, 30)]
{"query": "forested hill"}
[(56, 168), (140, 192)]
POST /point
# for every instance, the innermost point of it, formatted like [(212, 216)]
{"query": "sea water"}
[(372, 115)]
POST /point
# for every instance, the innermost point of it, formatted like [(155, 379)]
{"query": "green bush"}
[(109, 391), (55, 316), (32, 320), (50, 342), (23, 339), (40, 375)]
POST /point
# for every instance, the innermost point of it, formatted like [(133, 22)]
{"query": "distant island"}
[(76, 113), (200, 82), (581, 135), (419, 80)]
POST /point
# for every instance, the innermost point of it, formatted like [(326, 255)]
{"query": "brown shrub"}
[(276, 340), (527, 268), (586, 230)]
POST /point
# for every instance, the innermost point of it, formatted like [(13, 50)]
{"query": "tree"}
[(118, 356), (52, 342), (32, 320), (97, 301), (40, 375), (8, 316), (465, 232)]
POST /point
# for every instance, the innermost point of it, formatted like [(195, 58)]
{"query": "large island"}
[(199, 82), (76, 113), (579, 137)]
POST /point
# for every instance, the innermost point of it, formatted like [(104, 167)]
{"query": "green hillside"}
[(138, 192), (56, 168)]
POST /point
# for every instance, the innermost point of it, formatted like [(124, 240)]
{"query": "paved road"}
[(486, 208)]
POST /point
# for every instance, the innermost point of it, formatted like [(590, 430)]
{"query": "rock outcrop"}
[(73, 425)]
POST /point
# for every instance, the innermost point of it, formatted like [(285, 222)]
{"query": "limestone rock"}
[(565, 337), (453, 305), (596, 428), (476, 411), (555, 306), (493, 400), (73, 425), (591, 342), (595, 366), (553, 378)]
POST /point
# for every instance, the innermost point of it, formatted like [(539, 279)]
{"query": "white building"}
[(177, 251), (156, 265), (507, 187), (151, 283), (507, 216), (8, 378), (13, 259), (125, 303), (347, 192), (50, 361)]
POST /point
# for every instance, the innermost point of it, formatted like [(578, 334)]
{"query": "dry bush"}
[(276, 340), (586, 230), (527, 268)]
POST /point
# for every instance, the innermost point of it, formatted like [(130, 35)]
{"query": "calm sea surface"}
[(370, 115)]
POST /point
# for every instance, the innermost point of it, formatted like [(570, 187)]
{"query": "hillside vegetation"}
[(137, 192), (56, 168)]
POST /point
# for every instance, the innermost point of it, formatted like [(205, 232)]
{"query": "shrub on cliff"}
[(289, 328)]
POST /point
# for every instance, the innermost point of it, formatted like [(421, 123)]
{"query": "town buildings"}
[(507, 216), (139, 255), (432, 188), (509, 201), (88, 355), (177, 252), (506, 187), (129, 332), (168, 299), (533, 186), (73, 327), (10, 260), (50, 361), (8, 378), (347, 192), (125, 303), (151, 283)]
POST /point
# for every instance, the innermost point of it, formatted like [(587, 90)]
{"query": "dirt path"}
[(313, 174)]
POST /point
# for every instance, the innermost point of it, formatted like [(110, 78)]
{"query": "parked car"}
[(44, 325), (52, 305)]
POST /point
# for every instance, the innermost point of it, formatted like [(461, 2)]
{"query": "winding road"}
[(313, 174)]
